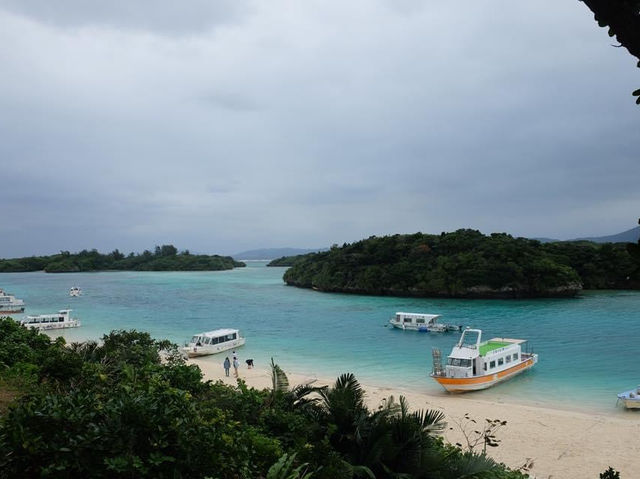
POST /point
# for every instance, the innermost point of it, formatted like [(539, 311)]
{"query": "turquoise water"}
[(589, 347)]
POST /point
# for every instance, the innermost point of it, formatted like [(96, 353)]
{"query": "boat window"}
[(420, 321), (60, 319), (500, 361), (407, 320), (222, 339), (194, 339), (229, 337), (485, 366), (515, 356), (207, 340), (465, 363), (492, 364), (508, 359), (233, 336)]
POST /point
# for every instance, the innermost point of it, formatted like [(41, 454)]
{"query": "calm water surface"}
[(588, 346)]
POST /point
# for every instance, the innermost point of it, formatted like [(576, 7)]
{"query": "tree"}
[(623, 19)]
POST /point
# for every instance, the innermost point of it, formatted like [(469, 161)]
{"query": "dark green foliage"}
[(610, 473), (166, 258), (466, 264), (289, 260), (461, 264), (129, 406), (600, 266), (622, 18)]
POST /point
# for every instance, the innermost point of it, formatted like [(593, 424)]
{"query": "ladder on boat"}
[(437, 362)]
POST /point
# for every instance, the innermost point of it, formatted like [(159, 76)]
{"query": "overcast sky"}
[(222, 126)]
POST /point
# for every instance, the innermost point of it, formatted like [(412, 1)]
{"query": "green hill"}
[(165, 258), (463, 264)]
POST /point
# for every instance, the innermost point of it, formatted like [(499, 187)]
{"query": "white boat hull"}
[(63, 325), (438, 328), (194, 351), (631, 403)]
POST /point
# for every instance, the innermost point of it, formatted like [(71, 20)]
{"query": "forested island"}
[(464, 264), (164, 258)]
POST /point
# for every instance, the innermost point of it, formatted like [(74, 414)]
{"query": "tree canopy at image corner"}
[(622, 17)]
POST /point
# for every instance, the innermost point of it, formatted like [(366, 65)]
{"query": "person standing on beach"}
[(236, 364), (227, 366)]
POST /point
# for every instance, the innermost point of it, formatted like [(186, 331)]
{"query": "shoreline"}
[(561, 443)]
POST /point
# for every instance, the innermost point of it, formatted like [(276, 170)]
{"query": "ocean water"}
[(589, 346)]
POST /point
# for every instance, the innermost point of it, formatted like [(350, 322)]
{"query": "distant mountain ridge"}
[(629, 236), (273, 253)]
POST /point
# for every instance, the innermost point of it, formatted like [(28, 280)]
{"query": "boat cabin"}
[(471, 357), (414, 320), (212, 342), (59, 320), (214, 337)]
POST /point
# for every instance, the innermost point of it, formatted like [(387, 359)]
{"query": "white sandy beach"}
[(562, 444)]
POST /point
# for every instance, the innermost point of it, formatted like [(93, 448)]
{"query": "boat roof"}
[(497, 343), (62, 311), (421, 315), (217, 332)]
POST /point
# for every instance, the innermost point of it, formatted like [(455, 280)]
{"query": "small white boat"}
[(213, 342), (9, 304), (75, 291), (630, 399), (421, 322), (474, 365), (60, 320)]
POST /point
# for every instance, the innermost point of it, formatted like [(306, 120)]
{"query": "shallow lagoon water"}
[(588, 346)]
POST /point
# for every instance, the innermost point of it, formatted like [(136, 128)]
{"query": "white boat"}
[(9, 304), (630, 399), (474, 365), (60, 320), (75, 291), (213, 342), (421, 322)]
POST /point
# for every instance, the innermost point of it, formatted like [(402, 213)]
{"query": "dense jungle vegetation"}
[(464, 263), (130, 406), (164, 258)]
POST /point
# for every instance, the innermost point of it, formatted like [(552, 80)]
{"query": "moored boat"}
[(474, 365), (630, 399), (213, 342), (9, 304), (421, 322), (60, 320), (75, 291)]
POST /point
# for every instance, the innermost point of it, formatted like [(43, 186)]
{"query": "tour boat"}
[(474, 365), (75, 291), (213, 342), (630, 399), (421, 322), (9, 304), (60, 320)]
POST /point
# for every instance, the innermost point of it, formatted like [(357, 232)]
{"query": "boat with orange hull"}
[(474, 365)]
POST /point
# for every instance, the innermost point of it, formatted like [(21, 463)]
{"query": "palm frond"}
[(279, 380)]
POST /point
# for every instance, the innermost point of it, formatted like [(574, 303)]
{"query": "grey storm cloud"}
[(161, 16), (226, 126)]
